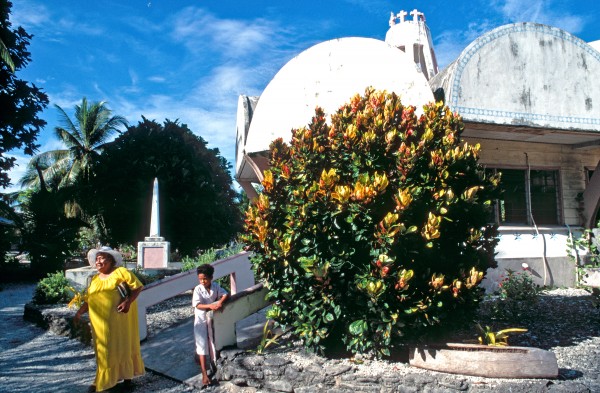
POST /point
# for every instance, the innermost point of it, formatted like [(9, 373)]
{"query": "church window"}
[(529, 197)]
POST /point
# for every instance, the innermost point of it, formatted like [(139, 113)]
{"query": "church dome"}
[(328, 75)]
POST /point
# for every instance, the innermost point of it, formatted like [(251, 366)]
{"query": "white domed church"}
[(528, 93)]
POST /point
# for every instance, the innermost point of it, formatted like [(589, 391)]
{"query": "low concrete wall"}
[(553, 272), (237, 267), (543, 249), (80, 277), (238, 307)]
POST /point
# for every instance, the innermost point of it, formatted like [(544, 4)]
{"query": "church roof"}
[(526, 75)]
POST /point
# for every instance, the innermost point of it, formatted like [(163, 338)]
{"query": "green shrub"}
[(373, 229), (517, 294), (518, 287), (53, 289), (585, 244), (145, 278), (211, 255), (189, 263), (128, 251)]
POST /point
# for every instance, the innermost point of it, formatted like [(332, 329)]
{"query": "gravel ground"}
[(563, 321)]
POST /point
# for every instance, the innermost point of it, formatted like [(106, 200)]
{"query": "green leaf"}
[(337, 311), (357, 328), (5, 55)]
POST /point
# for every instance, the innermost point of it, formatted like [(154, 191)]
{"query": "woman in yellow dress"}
[(114, 320)]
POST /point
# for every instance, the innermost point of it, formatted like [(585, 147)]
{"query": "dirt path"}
[(34, 360)]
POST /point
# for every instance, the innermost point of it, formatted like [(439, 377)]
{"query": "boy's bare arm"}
[(219, 303), (213, 306), (204, 307)]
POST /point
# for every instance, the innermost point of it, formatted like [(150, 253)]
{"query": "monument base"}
[(153, 253)]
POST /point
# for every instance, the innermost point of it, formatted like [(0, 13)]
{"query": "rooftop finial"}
[(417, 16), (400, 17)]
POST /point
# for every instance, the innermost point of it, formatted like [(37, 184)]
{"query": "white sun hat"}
[(91, 256)]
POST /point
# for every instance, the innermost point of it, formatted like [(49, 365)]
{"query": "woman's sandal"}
[(91, 389)]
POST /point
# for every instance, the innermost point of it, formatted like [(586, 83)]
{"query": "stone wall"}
[(298, 371), (59, 320)]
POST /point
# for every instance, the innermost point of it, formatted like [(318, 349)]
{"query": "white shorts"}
[(201, 337)]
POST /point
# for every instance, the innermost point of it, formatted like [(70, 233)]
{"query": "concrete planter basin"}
[(485, 361)]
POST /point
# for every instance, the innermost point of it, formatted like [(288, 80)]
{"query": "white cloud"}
[(541, 11), (222, 87), (215, 125), (16, 173), (52, 144), (246, 54), (67, 98), (450, 43), (199, 30), (44, 20), (157, 79), (69, 25), (197, 62), (29, 14)]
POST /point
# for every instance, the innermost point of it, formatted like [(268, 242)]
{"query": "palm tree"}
[(84, 138)]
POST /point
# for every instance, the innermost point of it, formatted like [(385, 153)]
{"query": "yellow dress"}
[(116, 335)]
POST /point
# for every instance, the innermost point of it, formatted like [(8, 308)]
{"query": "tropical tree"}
[(20, 102), (84, 137), (9, 224), (197, 202), (49, 235)]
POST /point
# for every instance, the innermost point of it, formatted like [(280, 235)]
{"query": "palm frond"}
[(53, 166), (66, 122), (70, 140), (84, 136)]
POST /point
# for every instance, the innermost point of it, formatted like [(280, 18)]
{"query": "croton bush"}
[(373, 228)]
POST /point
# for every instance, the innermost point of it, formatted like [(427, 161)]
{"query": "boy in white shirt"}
[(208, 296)]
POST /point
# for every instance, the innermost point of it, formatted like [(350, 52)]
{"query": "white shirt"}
[(204, 296)]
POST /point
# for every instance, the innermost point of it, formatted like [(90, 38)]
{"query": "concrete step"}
[(171, 352)]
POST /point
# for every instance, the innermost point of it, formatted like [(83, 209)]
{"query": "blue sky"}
[(190, 59)]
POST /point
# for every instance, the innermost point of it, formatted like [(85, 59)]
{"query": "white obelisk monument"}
[(153, 252), (154, 220)]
